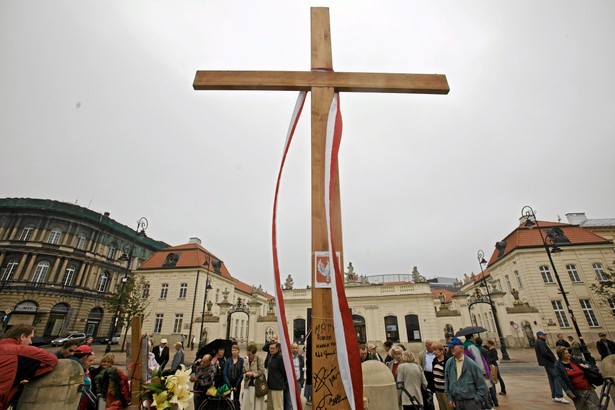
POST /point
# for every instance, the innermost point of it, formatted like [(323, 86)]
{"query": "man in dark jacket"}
[(276, 377), (161, 352), (546, 359), (605, 346), (20, 362)]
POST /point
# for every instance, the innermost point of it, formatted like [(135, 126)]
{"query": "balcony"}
[(22, 286)]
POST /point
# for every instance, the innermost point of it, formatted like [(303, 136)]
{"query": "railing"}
[(57, 288)]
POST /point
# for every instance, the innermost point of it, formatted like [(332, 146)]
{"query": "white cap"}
[(163, 340)]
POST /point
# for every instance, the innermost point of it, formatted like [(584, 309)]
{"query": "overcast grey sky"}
[(97, 107)]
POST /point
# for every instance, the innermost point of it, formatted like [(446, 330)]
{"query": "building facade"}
[(58, 264), (193, 296), (525, 290)]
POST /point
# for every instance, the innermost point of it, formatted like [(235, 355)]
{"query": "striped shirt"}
[(438, 373)]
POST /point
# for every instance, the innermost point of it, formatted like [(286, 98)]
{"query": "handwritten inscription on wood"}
[(326, 380)]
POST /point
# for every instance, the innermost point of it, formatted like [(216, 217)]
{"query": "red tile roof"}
[(448, 294), (526, 237), (192, 255)]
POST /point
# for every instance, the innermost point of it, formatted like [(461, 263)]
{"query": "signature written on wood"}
[(324, 379)]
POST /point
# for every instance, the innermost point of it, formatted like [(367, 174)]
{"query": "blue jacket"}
[(471, 382), (227, 372)]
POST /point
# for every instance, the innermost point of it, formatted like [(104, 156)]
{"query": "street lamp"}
[(555, 237), (494, 310), (216, 264), (142, 225)]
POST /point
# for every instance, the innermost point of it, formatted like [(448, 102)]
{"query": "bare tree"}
[(135, 302)]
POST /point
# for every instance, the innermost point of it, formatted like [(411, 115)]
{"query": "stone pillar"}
[(379, 385), (56, 390)]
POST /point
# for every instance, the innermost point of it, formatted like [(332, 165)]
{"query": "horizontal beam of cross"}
[(305, 80)]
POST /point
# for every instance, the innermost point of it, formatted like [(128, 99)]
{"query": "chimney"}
[(576, 218), (194, 239)]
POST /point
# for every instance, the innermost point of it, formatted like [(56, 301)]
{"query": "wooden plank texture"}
[(305, 80)]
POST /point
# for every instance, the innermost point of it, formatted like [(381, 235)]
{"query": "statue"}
[(350, 275), (289, 282), (209, 305), (416, 276), (458, 284), (466, 278), (515, 294), (239, 302), (442, 298), (271, 304)]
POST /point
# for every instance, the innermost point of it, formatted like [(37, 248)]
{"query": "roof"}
[(194, 256), (604, 222), (530, 237), (190, 255), (448, 294)]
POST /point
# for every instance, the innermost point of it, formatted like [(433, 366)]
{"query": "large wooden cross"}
[(322, 85)]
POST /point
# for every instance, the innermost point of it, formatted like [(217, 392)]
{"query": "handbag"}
[(260, 384), (592, 374), (494, 373)]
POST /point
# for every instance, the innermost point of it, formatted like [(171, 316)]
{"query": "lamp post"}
[(494, 310), (555, 236), (142, 225), (216, 264)]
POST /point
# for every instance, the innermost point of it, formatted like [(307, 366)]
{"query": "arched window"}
[(10, 269), (299, 331), (69, 274), (103, 280), (412, 328), (111, 252), (358, 322), (41, 272), (54, 236), (390, 326), (26, 233)]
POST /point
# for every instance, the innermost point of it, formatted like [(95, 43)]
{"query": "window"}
[(111, 252), (491, 321), (299, 331), (145, 293), (546, 274), (103, 280), (164, 290), (391, 329), (67, 280), (519, 279), (599, 272), (177, 323), (80, 242), (236, 326), (41, 272), (508, 282), (26, 233), (590, 316), (9, 269), (560, 313), (242, 326), (413, 330), (217, 295), (612, 305), (158, 322), (572, 272), (183, 290), (54, 236)]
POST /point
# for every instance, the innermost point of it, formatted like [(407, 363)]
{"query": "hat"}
[(455, 342), (83, 350), (163, 340), (540, 333)]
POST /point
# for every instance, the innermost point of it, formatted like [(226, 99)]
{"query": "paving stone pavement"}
[(526, 383)]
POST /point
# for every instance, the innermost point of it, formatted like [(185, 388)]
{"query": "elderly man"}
[(20, 362), (178, 359), (373, 351), (203, 379), (425, 361), (464, 383), (276, 378), (161, 352), (605, 346), (67, 350), (546, 359)]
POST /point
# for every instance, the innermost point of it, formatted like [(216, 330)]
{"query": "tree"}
[(605, 289), (135, 301)]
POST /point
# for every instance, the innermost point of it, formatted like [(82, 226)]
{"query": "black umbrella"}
[(212, 347), (470, 330)]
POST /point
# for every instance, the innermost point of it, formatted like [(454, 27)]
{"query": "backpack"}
[(592, 373)]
